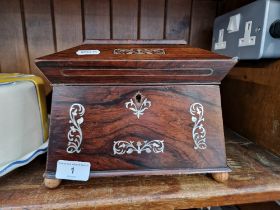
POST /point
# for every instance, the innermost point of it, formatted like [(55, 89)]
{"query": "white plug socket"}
[(221, 44), (247, 40)]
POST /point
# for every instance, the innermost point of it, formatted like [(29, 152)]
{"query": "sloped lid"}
[(100, 63)]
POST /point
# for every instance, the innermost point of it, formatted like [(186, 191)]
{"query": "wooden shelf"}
[(255, 178)]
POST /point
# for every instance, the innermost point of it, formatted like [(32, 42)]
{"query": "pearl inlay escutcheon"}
[(138, 104)]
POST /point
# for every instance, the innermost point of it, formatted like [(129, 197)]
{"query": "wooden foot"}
[(52, 183), (220, 177)]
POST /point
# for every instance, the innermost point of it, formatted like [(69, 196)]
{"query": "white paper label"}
[(72, 170), (88, 52)]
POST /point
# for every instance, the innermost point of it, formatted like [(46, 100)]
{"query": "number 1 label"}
[(72, 170)]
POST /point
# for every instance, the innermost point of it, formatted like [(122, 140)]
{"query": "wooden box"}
[(137, 110)]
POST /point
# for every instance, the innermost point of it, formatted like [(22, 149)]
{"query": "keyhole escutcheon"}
[(138, 97)]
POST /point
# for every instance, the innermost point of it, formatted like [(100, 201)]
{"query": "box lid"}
[(133, 64)]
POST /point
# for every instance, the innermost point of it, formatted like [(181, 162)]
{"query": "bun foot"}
[(220, 177), (52, 183)]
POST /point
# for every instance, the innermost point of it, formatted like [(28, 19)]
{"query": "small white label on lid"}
[(72, 170), (88, 52)]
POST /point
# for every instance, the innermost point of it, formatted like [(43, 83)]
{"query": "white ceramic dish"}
[(23, 160)]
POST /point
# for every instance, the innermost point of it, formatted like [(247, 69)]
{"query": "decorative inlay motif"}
[(75, 134), (198, 132), (138, 104), (128, 147), (139, 51)]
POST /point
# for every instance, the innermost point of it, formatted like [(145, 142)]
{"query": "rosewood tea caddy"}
[(136, 110)]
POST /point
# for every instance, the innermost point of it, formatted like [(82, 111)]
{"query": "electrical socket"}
[(221, 44), (247, 40)]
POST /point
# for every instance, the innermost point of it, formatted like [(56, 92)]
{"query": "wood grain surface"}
[(255, 101), (178, 19), (203, 16), (152, 19), (179, 64), (34, 28), (255, 178), (68, 28), (97, 19), (40, 32), (172, 52), (107, 120), (125, 19), (13, 46)]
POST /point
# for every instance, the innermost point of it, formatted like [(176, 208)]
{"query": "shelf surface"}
[(255, 178)]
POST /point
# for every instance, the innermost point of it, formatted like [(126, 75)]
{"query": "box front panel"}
[(118, 128)]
